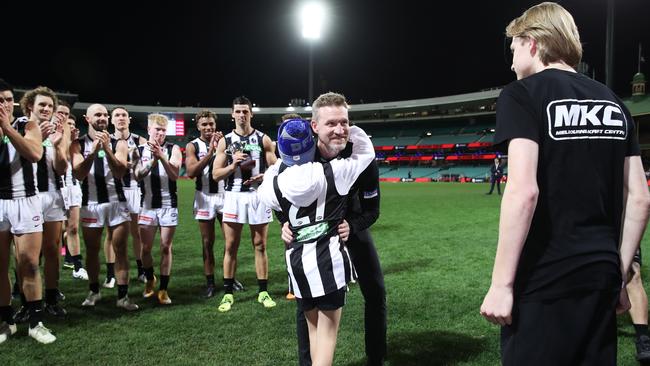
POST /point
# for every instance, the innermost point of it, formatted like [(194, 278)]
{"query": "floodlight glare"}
[(312, 17)]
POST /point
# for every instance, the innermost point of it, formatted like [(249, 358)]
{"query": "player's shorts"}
[(158, 216), (21, 215), (104, 214), (207, 206), (132, 196), (52, 206), (238, 207), (331, 301), (74, 192)]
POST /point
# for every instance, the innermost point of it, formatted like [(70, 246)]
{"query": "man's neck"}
[(325, 153), (244, 130), (123, 135)]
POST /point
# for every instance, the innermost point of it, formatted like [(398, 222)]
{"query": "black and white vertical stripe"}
[(321, 265), (47, 179), (205, 183), (18, 178), (158, 191), (99, 186), (255, 150), (132, 142)]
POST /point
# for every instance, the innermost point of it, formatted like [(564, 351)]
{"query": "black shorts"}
[(331, 301), (569, 331)]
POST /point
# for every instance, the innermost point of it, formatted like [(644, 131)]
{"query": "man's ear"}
[(314, 124), (532, 46)]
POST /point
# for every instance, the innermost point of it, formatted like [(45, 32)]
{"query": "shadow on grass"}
[(431, 348), (410, 266)]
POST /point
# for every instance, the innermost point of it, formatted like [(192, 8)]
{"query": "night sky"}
[(208, 52)]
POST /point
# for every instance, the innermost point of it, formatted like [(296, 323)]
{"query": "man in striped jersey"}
[(362, 212), (314, 198), (208, 197), (121, 121), (50, 171), (73, 244), (21, 219), (101, 162), (249, 153), (157, 167)]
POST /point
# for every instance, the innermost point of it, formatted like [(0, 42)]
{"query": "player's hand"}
[(287, 235), (5, 116), (238, 157), (344, 231), (104, 139), (47, 128), (57, 135), (623, 304), (497, 305), (254, 179), (216, 136), (156, 150), (74, 133)]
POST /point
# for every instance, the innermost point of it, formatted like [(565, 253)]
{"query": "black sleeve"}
[(366, 211), (515, 115), (632, 140), (281, 216)]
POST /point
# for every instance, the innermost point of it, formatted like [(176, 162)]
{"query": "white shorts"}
[(207, 205), (237, 208), (104, 214), (52, 206), (158, 216), (21, 215), (74, 192), (133, 200)]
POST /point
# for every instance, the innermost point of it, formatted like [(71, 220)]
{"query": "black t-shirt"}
[(584, 133)]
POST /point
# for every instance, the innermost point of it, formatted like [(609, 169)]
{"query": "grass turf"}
[(436, 243)]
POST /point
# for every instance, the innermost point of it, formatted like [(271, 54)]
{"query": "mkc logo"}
[(571, 119)]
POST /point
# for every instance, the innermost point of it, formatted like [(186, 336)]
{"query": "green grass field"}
[(436, 242)]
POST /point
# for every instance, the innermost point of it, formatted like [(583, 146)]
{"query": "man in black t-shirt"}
[(575, 206)]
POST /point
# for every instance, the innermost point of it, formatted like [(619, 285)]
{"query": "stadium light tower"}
[(312, 17)]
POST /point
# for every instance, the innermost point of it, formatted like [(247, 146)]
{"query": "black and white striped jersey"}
[(48, 181), (69, 179), (99, 186), (253, 146), (314, 198), (128, 181), (158, 191), (205, 183), (18, 178)]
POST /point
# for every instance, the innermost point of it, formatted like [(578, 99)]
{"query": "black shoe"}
[(487, 194), (237, 286), (59, 295), (643, 348), (209, 292), (55, 310), (22, 315)]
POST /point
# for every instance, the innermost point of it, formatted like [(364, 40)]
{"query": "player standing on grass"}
[(575, 206)]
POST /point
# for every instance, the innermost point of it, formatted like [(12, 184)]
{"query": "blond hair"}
[(555, 31), (156, 119), (329, 99)]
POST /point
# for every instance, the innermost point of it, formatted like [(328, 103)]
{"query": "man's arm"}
[(635, 214), (80, 165), (61, 148), (29, 146), (517, 209), (368, 197), (193, 166), (117, 161), (173, 165), (219, 169), (269, 151)]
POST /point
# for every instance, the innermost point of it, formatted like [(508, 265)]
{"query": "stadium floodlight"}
[(312, 18)]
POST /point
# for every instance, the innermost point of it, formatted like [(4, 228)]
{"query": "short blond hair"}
[(156, 119), (555, 31), (329, 99)]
